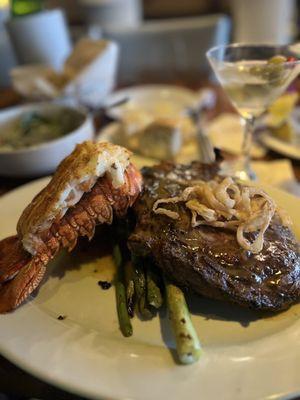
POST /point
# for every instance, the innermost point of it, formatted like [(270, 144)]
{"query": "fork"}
[(196, 112)]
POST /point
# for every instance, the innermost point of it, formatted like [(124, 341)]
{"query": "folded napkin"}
[(226, 132), (88, 75), (278, 173)]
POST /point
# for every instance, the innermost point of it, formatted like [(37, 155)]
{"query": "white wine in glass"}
[(253, 76)]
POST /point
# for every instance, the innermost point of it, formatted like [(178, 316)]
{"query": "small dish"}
[(43, 158), (287, 148)]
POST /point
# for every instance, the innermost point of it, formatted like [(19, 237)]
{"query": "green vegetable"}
[(154, 295), (272, 72), (117, 256), (130, 289), (124, 319), (187, 342), (30, 119), (141, 289), (277, 60)]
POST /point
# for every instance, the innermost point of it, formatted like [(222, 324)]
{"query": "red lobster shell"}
[(21, 272)]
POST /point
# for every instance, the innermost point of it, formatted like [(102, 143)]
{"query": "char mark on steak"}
[(209, 260)]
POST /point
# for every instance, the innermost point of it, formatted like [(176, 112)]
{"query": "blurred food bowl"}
[(34, 138)]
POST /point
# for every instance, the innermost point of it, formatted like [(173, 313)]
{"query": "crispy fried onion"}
[(228, 205)]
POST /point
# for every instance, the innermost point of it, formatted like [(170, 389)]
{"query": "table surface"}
[(16, 384), (9, 98)]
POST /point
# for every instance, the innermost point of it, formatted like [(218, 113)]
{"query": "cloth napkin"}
[(226, 132), (278, 173)]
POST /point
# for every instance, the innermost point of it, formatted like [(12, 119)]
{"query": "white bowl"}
[(43, 158)]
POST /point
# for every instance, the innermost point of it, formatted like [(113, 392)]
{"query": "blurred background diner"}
[(135, 72), (159, 40)]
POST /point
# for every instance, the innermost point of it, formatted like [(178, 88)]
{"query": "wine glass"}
[(253, 76)]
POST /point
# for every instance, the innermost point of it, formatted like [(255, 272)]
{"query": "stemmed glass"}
[(253, 76)]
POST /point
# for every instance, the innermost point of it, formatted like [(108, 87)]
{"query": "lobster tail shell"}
[(21, 273)]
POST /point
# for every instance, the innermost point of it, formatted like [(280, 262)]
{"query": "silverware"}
[(117, 103), (206, 150), (196, 113)]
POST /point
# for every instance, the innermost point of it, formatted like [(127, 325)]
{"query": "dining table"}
[(17, 384)]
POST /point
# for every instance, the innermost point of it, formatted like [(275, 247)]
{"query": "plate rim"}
[(279, 146), (123, 92)]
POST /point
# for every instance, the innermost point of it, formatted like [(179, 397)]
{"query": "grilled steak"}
[(209, 260)]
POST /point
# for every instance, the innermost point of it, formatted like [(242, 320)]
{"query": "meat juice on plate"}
[(253, 85)]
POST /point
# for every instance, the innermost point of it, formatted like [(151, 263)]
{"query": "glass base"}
[(245, 175), (238, 168)]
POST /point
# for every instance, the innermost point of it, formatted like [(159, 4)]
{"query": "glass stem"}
[(249, 124)]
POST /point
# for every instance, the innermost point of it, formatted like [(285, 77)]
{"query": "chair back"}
[(168, 48)]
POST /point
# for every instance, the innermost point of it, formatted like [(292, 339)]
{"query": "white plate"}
[(225, 132), (110, 134), (87, 355), (287, 149), (290, 150), (174, 99)]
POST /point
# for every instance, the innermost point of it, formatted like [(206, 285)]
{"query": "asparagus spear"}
[(140, 289), (154, 295), (130, 290), (117, 256), (124, 320), (187, 342), (140, 285)]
